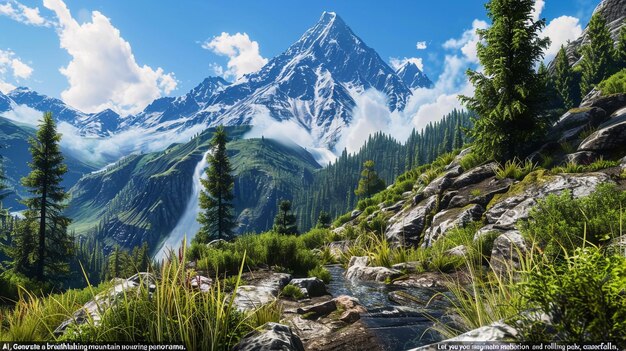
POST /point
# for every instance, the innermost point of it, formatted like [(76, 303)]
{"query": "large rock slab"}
[(480, 193), (251, 297), (475, 175), (609, 138), (358, 269), (443, 182), (270, 337), (450, 219), (406, 227), (515, 205)]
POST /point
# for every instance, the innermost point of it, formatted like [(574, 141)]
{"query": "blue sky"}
[(165, 39)]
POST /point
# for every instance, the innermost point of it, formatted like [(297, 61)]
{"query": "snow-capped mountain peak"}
[(412, 76)]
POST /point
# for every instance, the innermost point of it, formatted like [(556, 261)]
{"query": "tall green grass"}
[(171, 313)]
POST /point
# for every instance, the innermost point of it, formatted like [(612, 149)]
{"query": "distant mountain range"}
[(314, 83)]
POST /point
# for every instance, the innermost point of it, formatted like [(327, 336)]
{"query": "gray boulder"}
[(318, 310), (251, 297), (507, 252), (496, 332), (437, 186), (450, 219), (406, 227), (358, 269), (516, 206), (581, 117), (610, 103), (106, 300), (270, 337), (310, 287), (201, 283), (608, 138), (474, 175)]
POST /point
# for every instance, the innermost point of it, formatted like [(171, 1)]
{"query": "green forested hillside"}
[(141, 198), (15, 157), (333, 187)]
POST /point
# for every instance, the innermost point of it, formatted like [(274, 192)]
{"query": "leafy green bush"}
[(615, 84), (584, 296), (290, 252), (292, 291), (559, 223), (320, 272)]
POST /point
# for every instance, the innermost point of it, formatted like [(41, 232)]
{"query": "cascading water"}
[(187, 224)]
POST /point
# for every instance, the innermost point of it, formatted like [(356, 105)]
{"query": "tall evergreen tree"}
[(323, 221), (620, 52), (217, 220), (598, 54), (53, 243), (507, 95), (285, 222), (564, 80), (370, 183)]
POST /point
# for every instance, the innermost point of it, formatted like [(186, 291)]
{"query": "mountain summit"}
[(314, 83)]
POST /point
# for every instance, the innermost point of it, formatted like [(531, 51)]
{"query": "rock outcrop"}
[(270, 337), (406, 227), (358, 269)]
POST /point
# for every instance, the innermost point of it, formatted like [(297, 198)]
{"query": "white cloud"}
[(103, 72), (467, 42), (288, 132), (421, 45), (538, 9), (561, 30), (23, 14), (243, 54), (396, 63), (11, 65)]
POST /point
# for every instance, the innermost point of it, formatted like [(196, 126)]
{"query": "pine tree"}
[(115, 264), (370, 183), (507, 95), (217, 220), (620, 52), (53, 244), (285, 222), (598, 55), (323, 221), (564, 80)]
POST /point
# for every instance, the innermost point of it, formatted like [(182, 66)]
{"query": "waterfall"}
[(187, 224)]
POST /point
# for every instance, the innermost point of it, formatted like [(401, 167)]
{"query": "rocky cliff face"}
[(614, 11)]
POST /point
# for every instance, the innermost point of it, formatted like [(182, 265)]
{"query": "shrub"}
[(615, 84), (321, 273), (569, 167), (293, 292), (559, 223), (515, 169), (471, 160), (583, 296)]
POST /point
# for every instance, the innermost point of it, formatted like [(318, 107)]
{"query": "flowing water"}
[(187, 225), (397, 327)]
